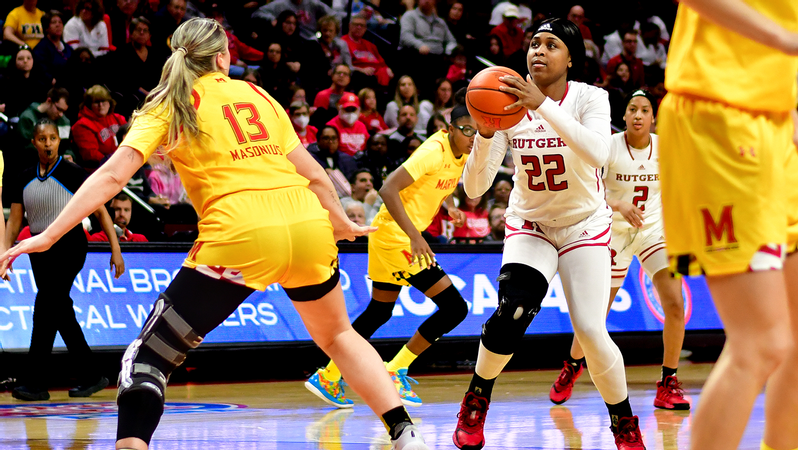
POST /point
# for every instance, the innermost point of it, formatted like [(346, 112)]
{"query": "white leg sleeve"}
[(489, 364), (585, 274)]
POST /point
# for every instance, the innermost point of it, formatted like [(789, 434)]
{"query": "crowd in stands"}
[(363, 88)]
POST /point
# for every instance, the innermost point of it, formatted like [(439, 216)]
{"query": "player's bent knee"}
[(166, 337), (521, 292), (452, 310)]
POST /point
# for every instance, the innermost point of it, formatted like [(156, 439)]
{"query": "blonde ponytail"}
[(195, 45)]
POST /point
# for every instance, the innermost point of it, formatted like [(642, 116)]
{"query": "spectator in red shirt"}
[(122, 206), (627, 56), (300, 118), (476, 213), (94, 133), (370, 68), (330, 97), (577, 16), (459, 68), (353, 132), (369, 115), (511, 35)]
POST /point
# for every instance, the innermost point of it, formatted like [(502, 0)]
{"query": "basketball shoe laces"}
[(334, 387), (675, 387), (473, 415), (566, 376), (630, 432), (404, 382)]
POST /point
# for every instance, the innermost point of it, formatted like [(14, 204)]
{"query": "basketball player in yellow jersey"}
[(268, 214), (728, 168), (399, 255)]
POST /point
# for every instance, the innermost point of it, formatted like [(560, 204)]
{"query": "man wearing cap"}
[(353, 132), (511, 35)]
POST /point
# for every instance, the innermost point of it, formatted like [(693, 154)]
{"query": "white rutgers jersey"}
[(632, 175), (553, 185)]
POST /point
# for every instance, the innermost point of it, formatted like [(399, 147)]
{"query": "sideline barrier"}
[(111, 312)]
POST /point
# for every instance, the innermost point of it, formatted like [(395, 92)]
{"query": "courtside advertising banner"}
[(112, 311)]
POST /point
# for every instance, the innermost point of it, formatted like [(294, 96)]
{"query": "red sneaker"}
[(562, 388), (670, 394), (627, 434), (470, 422)]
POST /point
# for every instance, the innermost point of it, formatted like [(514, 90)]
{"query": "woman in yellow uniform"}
[(399, 255), (728, 167), (269, 214)]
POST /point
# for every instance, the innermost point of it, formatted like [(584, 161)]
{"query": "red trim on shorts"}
[(619, 276), (511, 228), (770, 251), (530, 234), (649, 248), (587, 241), (591, 244), (261, 94), (649, 255)]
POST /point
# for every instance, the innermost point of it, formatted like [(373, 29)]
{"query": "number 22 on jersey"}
[(555, 165)]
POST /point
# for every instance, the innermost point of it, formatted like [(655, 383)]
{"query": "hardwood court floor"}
[(283, 415)]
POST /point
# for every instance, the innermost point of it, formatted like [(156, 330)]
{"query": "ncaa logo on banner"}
[(101, 409), (655, 305)]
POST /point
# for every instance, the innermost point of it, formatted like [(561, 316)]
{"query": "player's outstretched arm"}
[(738, 16)]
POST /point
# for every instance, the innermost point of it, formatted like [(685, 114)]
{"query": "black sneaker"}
[(88, 390), (29, 394)]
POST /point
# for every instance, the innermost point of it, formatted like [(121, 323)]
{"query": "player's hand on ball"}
[(350, 230), (528, 93), (486, 132), (458, 217), (421, 252), (632, 214)]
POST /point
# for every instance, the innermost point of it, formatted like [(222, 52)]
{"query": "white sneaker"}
[(409, 439)]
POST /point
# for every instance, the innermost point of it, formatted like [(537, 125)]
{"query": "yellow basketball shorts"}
[(257, 238), (724, 186), (389, 262)]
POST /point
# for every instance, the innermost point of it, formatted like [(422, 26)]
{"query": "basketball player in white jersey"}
[(557, 220), (631, 177)]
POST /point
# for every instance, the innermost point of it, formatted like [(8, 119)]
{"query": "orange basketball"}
[(486, 102)]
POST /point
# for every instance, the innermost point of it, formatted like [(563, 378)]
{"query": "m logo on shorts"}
[(716, 230)]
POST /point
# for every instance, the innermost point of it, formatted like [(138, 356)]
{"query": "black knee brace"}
[(167, 337), (452, 310), (373, 317), (147, 364), (521, 291)]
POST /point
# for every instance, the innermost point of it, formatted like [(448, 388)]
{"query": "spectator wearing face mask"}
[(353, 132), (300, 117)]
